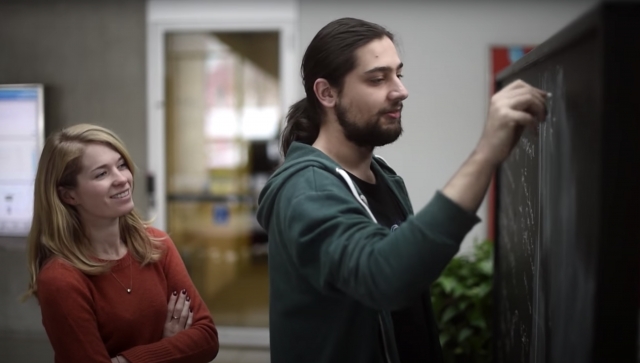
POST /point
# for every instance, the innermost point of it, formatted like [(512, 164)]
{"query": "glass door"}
[(223, 112)]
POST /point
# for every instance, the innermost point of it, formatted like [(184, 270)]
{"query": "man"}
[(350, 264)]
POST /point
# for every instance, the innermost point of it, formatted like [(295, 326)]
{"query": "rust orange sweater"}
[(90, 319)]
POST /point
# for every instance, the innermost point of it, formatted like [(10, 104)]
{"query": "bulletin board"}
[(21, 142)]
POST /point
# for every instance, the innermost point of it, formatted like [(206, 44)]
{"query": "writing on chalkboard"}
[(526, 189), (566, 285)]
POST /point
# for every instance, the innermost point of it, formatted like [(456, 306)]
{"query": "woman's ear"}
[(325, 93), (67, 196)]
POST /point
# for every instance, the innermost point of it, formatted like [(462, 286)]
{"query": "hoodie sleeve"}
[(340, 249)]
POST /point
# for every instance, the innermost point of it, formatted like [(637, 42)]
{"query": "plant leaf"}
[(464, 334), (449, 313)]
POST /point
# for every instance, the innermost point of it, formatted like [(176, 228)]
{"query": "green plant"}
[(462, 303)]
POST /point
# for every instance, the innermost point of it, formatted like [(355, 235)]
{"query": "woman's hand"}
[(179, 315), (179, 318)]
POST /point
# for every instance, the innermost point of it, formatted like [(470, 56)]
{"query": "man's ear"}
[(67, 196), (326, 94)]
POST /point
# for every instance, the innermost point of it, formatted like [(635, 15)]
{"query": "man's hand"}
[(512, 109), (179, 316)]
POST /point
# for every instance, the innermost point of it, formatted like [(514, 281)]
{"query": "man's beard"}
[(369, 133)]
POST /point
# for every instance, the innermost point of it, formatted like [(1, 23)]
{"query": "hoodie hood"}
[(299, 157)]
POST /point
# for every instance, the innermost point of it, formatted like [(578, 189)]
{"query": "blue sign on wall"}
[(220, 214)]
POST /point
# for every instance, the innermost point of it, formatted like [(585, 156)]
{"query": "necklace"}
[(130, 277)]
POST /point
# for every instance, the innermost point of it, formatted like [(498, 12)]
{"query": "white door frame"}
[(175, 16)]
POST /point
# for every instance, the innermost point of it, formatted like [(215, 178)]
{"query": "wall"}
[(445, 50), (90, 56)]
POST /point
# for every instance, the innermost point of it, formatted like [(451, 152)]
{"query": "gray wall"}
[(90, 55)]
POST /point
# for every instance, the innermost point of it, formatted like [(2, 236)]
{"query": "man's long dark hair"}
[(330, 55)]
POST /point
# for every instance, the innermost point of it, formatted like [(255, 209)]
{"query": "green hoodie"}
[(335, 274)]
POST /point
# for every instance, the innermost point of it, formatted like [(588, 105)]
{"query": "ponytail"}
[(302, 125)]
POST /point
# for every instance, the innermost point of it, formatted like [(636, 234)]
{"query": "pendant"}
[(128, 291)]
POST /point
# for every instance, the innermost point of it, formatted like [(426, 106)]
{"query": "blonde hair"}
[(56, 229)]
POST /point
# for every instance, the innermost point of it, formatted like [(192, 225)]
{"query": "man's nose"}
[(400, 93)]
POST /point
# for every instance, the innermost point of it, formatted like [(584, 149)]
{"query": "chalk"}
[(547, 104)]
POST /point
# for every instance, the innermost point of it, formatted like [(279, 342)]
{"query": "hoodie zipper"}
[(362, 200), (384, 340)]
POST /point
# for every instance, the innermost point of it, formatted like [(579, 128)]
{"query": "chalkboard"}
[(568, 223)]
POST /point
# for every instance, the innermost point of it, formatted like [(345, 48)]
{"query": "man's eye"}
[(401, 76)]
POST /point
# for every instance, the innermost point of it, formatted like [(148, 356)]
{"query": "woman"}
[(110, 288)]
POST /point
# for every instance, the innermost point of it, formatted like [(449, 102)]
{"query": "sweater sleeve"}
[(199, 343), (68, 315), (337, 246)]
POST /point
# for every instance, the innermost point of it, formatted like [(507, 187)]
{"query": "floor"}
[(36, 349)]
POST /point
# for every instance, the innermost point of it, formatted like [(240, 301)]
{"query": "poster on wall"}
[(21, 141), (501, 57)]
